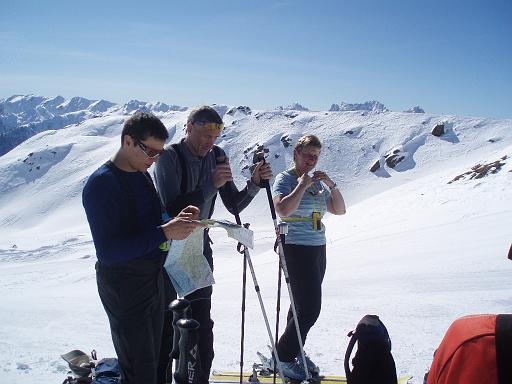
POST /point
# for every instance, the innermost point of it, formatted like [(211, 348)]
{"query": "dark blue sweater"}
[(124, 225)]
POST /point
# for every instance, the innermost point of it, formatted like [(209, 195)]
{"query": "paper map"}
[(185, 264)]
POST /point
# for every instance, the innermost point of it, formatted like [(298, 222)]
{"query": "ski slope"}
[(413, 248)]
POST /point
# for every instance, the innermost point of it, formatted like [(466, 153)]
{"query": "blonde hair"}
[(308, 141)]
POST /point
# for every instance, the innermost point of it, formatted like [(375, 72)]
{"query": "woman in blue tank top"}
[(301, 200)]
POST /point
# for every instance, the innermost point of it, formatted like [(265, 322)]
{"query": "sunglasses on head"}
[(209, 126), (149, 152)]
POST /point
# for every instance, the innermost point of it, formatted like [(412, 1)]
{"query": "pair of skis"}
[(265, 378)]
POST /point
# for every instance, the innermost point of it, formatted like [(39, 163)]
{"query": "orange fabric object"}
[(467, 353)]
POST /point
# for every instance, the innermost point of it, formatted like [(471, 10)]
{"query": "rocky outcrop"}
[(438, 130), (375, 167), (481, 170)]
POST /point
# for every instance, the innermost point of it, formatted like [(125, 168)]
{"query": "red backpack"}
[(476, 349)]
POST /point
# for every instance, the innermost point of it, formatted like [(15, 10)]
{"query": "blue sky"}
[(452, 57)]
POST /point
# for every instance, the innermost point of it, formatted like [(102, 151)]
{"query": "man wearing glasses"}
[(130, 237), (191, 173)]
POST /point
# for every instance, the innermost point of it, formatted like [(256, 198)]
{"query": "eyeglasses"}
[(149, 152), (209, 126)]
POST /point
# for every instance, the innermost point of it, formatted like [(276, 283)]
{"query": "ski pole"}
[(229, 193), (285, 272), (247, 259), (260, 156), (278, 302), (265, 317), (242, 331), (278, 311)]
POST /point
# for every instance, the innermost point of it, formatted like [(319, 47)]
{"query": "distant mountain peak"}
[(372, 106), (296, 106), (143, 106), (415, 109), (75, 104)]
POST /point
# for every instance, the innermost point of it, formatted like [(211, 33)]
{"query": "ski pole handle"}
[(181, 310), (189, 363), (260, 156)]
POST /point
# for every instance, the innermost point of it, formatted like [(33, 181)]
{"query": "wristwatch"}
[(333, 187)]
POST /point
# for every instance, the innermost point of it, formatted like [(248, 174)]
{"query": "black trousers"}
[(306, 269), (133, 297), (201, 304)]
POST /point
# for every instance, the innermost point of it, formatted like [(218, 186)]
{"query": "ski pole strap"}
[(270, 201), (240, 247)]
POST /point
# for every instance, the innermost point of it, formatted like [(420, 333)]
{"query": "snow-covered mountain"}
[(22, 116), (424, 240)]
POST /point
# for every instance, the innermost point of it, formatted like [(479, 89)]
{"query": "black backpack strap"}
[(184, 173), (217, 152), (504, 348), (352, 342), (183, 164)]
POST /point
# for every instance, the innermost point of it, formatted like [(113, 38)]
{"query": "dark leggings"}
[(306, 269)]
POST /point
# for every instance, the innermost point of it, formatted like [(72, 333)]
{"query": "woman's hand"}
[(305, 181), (322, 176), (336, 203)]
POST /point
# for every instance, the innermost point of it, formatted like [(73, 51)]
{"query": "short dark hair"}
[(143, 125), (204, 113)]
